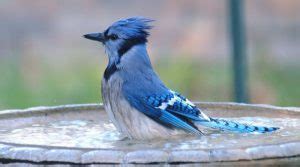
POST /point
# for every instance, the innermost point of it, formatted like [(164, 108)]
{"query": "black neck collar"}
[(126, 46)]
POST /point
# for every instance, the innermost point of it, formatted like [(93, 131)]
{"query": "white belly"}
[(127, 119)]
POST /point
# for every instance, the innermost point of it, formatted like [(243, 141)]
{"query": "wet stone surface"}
[(88, 140), (103, 135)]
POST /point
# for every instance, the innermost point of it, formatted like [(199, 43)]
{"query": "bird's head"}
[(123, 35)]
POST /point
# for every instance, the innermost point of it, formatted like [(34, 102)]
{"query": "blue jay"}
[(137, 101)]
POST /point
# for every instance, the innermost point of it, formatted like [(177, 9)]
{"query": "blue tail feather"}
[(234, 126)]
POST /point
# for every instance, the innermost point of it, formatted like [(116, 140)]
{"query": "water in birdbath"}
[(102, 134)]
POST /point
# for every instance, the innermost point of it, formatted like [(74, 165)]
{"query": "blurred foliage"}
[(283, 79), (200, 81), (44, 60), (78, 82), (75, 84)]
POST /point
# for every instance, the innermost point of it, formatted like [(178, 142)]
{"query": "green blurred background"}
[(45, 61)]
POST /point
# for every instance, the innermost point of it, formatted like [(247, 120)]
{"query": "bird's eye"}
[(113, 37)]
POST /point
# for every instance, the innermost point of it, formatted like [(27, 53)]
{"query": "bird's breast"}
[(129, 121)]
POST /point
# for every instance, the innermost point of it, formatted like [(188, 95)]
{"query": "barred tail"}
[(234, 126)]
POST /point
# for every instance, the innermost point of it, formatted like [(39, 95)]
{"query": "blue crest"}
[(131, 28)]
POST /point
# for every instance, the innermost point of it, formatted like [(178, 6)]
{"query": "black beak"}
[(95, 36)]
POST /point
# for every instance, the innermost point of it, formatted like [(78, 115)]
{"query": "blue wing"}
[(186, 108), (168, 108)]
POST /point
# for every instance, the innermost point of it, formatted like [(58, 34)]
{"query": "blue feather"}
[(177, 122), (131, 28), (148, 106), (234, 126)]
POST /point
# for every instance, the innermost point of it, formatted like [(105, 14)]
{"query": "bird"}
[(136, 100)]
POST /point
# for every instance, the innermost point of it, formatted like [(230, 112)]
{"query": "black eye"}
[(113, 37)]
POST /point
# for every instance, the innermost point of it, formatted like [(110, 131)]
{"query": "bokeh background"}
[(45, 61)]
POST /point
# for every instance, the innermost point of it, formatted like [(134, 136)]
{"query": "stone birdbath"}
[(83, 135)]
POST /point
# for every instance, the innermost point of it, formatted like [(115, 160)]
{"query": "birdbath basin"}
[(82, 134)]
